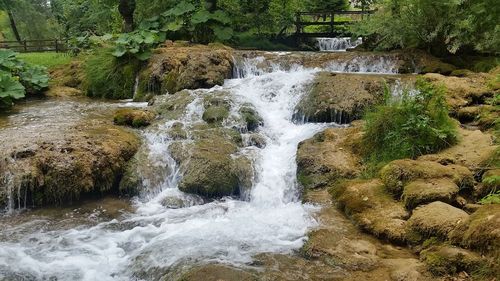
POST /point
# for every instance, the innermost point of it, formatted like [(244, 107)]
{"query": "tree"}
[(127, 9), (327, 5), (7, 5)]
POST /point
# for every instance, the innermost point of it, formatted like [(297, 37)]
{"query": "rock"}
[(251, 118), (133, 117), (372, 209), (426, 191), (215, 114), (216, 272), (468, 113), (328, 157), (88, 159), (255, 140), (490, 183), (340, 98), (444, 260), (481, 230), (465, 91), (473, 150), (172, 107), (184, 66), (436, 219), (397, 174), (177, 131)]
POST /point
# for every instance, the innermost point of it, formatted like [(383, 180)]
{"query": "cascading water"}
[(155, 238), (339, 44)]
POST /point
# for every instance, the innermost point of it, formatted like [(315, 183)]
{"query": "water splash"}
[(339, 44)]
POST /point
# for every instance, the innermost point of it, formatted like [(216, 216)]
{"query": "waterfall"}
[(340, 44), (155, 238)]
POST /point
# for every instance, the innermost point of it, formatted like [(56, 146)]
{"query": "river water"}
[(151, 239)]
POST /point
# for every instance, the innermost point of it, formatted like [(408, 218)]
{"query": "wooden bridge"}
[(26, 46), (333, 21)]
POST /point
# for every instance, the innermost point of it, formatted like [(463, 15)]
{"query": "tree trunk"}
[(14, 26), (126, 9)]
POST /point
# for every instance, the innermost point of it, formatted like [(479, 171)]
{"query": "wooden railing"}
[(45, 45), (332, 19)]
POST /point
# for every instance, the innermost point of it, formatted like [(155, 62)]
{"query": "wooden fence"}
[(330, 19), (46, 45)]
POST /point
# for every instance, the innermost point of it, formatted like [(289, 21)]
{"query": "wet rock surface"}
[(176, 67), (45, 161), (342, 98), (328, 157)]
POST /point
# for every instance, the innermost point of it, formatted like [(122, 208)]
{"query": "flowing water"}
[(150, 240), (339, 44)]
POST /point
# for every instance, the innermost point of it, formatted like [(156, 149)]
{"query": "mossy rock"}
[(251, 118), (436, 219), (375, 211), (215, 114), (172, 107), (450, 260), (481, 231), (426, 191), (133, 117), (397, 174)]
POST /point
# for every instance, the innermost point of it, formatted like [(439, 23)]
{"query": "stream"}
[(146, 239)]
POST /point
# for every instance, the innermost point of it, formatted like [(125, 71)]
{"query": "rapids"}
[(152, 239)]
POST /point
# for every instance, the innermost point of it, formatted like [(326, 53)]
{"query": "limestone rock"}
[(397, 174), (133, 117), (426, 191), (328, 157), (372, 209), (436, 219), (442, 260)]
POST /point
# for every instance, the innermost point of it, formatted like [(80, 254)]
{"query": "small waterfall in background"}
[(340, 44)]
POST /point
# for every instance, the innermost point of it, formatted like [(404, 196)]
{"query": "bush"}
[(408, 126), (18, 78), (109, 77)]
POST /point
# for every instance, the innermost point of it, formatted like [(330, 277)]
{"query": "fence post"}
[(332, 23), (57, 46), (25, 46)]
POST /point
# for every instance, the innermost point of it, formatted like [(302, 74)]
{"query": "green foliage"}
[(408, 126), (109, 77), (18, 77), (438, 26)]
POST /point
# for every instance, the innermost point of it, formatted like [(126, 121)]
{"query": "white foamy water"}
[(146, 243), (340, 44)]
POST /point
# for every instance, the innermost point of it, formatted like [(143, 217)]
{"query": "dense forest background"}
[(447, 26)]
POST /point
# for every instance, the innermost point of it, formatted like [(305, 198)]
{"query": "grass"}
[(47, 59), (407, 126)]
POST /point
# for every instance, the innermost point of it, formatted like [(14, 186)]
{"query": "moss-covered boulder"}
[(375, 211), (340, 98), (481, 230), (185, 66), (449, 260), (133, 117), (251, 118), (208, 165), (328, 157), (426, 191), (172, 107), (436, 219), (397, 174), (215, 114), (86, 160)]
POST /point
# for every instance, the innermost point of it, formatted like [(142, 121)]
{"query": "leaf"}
[(144, 55), (179, 10), (223, 33), (221, 17), (150, 38), (10, 88), (107, 37), (119, 51), (201, 16), (173, 26)]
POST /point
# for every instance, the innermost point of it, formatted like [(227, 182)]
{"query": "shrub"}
[(407, 126), (18, 78), (109, 77)]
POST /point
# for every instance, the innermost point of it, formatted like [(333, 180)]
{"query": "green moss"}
[(215, 114), (133, 117), (109, 77)]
